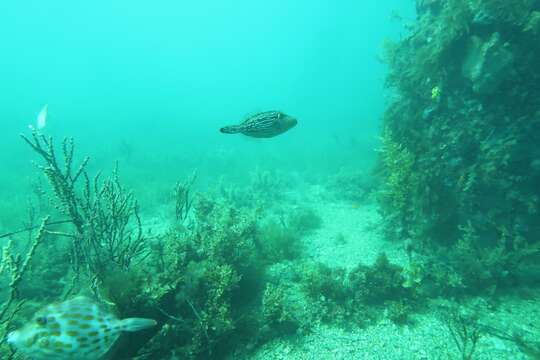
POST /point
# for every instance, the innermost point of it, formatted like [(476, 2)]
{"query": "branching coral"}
[(464, 330), (105, 216), (183, 199), (15, 266)]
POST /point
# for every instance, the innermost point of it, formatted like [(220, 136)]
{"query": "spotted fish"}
[(262, 125), (77, 329)]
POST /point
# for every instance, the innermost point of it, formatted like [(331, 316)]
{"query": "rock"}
[(487, 63)]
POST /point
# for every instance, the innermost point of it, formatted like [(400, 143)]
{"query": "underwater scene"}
[(252, 180)]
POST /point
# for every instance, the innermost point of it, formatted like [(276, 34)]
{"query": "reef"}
[(222, 278), (456, 185), (460, 156), (209, 278)]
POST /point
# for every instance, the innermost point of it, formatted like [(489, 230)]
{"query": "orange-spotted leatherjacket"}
[(74, 329)]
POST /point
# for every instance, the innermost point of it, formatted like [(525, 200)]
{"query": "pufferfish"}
[(77, 329), (262, 125)]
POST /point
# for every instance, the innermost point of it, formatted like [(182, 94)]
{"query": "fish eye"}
[(41, 320)]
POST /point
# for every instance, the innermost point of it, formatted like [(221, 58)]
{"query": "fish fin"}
[(41, 121), (251, 114), (136, 324), (233, 129), (78, 300)]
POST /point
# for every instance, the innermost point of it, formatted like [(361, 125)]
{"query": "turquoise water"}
[(397, 220), (164, 77)]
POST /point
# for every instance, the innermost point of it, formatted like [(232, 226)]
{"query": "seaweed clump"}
[(206, 279), (461, 153), (362, 295)]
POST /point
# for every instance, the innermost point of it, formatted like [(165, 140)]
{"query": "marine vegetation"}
[(15, 266), (183, 198), (464, 330), (211, 281), (526, 342), (396, 192), (278, 242), (362, 295), (460, 152), (205, 279), (224, 272), (107, 230), (265, 188), (303, 220), (352, 186)]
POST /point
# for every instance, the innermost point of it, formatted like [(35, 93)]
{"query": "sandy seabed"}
[(350, 235)]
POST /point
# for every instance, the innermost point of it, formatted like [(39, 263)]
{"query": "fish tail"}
[(233, 129), (136, 324)]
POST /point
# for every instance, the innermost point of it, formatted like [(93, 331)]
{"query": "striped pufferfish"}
[(76, 329), (263, 125)]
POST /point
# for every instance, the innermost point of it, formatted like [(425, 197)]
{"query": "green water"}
[(162, 79), (397, 220)]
